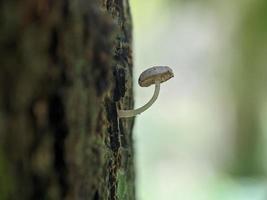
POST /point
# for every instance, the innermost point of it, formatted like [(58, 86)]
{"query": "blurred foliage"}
[(251, 75), (241, 25)]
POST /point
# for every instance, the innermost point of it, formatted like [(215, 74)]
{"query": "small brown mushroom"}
[(153, 75)]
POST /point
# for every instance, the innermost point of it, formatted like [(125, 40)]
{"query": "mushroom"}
[(154, 75)]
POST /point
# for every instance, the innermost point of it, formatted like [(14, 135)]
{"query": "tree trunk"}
[(65, 66)]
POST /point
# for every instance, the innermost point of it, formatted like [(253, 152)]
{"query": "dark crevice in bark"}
[(117, 138), (40, 187), (65, 9), (113, 128), (53, 47), (96, 196), (119, 90), (60, 130)]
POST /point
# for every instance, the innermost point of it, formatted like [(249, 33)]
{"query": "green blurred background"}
[(206, 136)]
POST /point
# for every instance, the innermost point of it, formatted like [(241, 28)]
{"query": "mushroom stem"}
[(131, 113)]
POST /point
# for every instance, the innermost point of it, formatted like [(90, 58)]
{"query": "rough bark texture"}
[(65, 66)]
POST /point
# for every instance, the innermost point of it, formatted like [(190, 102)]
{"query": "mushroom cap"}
[(153, 74)]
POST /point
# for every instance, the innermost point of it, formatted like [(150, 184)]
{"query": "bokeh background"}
[(205, 138)]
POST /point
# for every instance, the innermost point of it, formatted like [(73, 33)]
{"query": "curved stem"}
[(131, 113)]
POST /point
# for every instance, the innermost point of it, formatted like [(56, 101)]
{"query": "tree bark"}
[(65, 67)]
